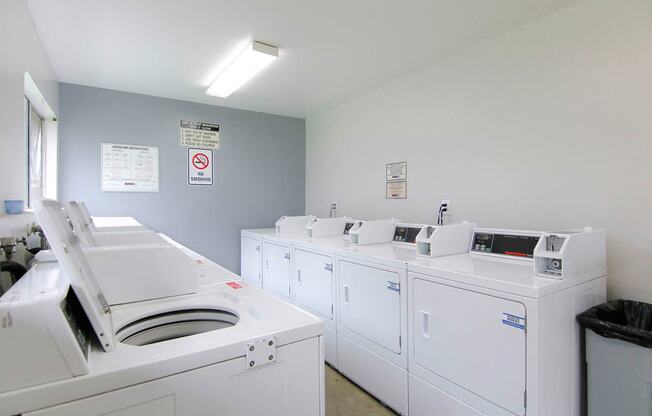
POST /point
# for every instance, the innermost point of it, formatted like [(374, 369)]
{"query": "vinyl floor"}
[(343, 398)]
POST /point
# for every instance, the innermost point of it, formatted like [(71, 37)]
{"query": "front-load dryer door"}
[(313, 282), (276, 269), (250, 260), (370, 303), (473, 340)]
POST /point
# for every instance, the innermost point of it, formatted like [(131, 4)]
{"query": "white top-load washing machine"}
[(227, 349), (109, 223), (100, 238), (492, 332), (125, 273), (372, 305)]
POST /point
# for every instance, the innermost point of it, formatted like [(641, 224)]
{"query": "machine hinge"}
[(260, 352), (105, 305), (328, 267), (258, 248), (287, 256)]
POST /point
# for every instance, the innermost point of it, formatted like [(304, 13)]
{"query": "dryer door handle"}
[(425, 324), (299, 276), (346, 295)]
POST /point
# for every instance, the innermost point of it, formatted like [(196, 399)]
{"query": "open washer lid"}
[(68, 251)]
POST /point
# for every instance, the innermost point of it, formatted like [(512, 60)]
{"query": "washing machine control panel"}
[(512, 245), (77, 321), (406, 234)]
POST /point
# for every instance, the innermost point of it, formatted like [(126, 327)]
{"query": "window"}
[(35, 157), (40, 146)]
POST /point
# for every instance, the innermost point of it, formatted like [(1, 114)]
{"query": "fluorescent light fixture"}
[(251, 61)]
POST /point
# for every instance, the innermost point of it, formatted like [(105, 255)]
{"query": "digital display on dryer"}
[(505, 244)]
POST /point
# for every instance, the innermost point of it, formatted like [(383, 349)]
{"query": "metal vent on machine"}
[(176, 324)]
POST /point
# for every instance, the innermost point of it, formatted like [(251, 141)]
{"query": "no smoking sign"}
[(200, 166)]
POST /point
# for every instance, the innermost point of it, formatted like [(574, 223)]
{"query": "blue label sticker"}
[(396, 287), (514, 321)]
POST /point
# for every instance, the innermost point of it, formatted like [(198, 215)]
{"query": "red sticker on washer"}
[(234, 285)]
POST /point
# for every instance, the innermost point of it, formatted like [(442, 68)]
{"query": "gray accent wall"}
[(259, 169)]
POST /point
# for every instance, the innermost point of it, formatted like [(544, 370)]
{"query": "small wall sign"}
[(396, 190), (396, 171), (200, 166), (197, 134)]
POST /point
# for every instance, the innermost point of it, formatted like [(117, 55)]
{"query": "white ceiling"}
[(330, 51)]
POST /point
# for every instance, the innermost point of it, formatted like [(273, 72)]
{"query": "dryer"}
[(277, 261), (490, 334), (314, 285), (298, 267), (251, 259), (276, 256), (372, 308)]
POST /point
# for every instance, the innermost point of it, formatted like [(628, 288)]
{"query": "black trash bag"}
[(622, 319)]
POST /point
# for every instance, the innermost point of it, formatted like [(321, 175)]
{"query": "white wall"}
[(548, 126), (20, 51)]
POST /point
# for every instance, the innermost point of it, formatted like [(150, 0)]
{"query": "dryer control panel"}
[(513, 245), (406, 234)]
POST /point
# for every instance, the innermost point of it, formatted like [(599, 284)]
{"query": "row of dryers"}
[(455, 320)]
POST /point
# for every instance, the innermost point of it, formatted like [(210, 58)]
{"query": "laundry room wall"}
[(259, 169), (547, 126), (20, 51)]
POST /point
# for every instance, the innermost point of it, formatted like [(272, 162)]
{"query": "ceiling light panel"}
[(253, 59)]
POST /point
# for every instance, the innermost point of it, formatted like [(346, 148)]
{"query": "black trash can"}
[(619, 358)]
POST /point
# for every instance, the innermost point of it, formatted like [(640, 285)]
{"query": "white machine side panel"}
[(289, 387), (560, 364), (370, 303), (276, 268), (250, 260), (313, 282), (466, 337)]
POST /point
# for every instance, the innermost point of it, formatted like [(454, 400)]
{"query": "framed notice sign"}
[(198, 134), (129, 168), (396, 171), (396, 190)]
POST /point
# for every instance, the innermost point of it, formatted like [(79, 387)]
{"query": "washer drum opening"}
[(175, 324)]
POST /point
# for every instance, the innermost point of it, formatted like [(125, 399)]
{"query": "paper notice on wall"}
[(396, 171), (200, 166), (197, 134), (396, 190), (129, 168)]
